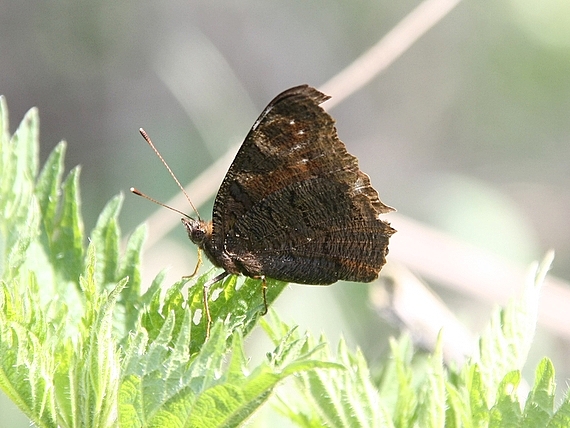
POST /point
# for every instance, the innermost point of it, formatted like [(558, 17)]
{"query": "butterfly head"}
[(198, 231)]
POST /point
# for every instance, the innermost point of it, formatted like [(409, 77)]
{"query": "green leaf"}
[(67, 245), (130, 268), (561, 418), (477, 396), (236, 299), (99, 369), (407, 395), (25, 362), (458, 413), (166, 385), (505, 344), (105, 240), (342, 395), (432, 405), (237, 306), (18, 208), (539, 406), (507, 412), (48, 188)]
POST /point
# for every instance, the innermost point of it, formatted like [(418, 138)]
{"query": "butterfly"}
[(294, 205)]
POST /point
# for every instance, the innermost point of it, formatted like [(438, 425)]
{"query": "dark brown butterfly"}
[(294, 205)]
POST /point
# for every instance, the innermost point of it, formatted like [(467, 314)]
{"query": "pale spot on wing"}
[(359, 184)]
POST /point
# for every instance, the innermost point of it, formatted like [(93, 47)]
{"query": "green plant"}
[(81, 345)]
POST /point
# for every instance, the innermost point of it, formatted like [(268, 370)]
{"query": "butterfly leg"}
[(264, 292), (206, 288), (198, 263)]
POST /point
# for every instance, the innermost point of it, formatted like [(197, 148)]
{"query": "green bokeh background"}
[(469, 131)]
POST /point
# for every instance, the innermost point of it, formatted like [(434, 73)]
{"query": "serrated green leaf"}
[(26, 141), (431, 408), (236, 299), (204, 393), (105, 239), (25, 363), (147, 299), (48, 189), (406, 403), (100, 368), (342, 395), (42, 362), (155, 372), (18, 208), (21, 236), (458, 413), (169, 306), (507, 411), (477, 396), (237, 396), (561, 418), (67, 247), (131, 268), (505, 344), (539, 406)]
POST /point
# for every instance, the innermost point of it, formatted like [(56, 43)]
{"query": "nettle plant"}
[(81, 345)]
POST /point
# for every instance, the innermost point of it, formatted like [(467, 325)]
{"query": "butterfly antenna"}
[(139, 193), (136, 192)]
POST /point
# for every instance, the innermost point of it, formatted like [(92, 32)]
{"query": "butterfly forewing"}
[(294, 205)]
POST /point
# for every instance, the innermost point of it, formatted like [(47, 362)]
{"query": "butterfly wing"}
[(294, 205)]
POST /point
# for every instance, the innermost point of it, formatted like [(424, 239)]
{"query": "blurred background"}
[(467, 133)]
